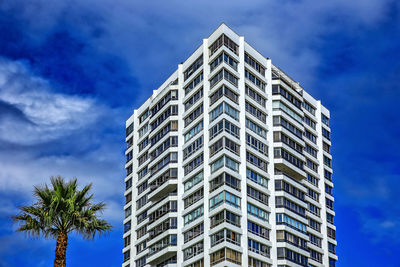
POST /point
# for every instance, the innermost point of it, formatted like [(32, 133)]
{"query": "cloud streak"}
[(43, 114)]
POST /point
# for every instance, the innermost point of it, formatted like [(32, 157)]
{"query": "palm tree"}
[(59, 211)]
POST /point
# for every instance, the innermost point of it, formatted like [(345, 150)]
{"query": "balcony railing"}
[(218, 222), (159, 248), (261, 252), (235, 242)]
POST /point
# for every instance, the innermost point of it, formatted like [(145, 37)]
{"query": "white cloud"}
[(287, 31), (53, 115), (21, 171), (114, 213), (381, 228)]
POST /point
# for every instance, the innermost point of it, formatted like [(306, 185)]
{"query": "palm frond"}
[(62, 208), (89, 229), (28, 224)]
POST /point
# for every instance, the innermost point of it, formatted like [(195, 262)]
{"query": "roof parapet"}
[(287, 78)]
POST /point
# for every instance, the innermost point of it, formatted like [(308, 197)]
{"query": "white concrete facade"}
[(228, 164)]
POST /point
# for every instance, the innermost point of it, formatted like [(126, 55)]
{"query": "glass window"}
[(171, 95), (197, 178), (279, 105), (281, 185), (226, 58), (171, 111), (257, 212), (224, 161), (258, 230), (253, 94), (258, 248), (327, 162), (282, 202), (257, 178), (255, 64), (326, 133), (193, 232), (224, 179), (192, 251), (329, 218), (216, 201), (224, 40), (223, 91), (193, 115), (193, 147), (196, 162), (256, 128), (193, 215), (256, 112), (193, 198), (194, 130), (192, 100), (295, 224), (280, 90), (256, 161), (279, 121), (224, 74), (192, 68), (257, 195), (192, 84), (256, 81), (325, 120), (307, 106)]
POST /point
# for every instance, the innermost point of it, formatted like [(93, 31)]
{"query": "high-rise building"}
[(228, 164)]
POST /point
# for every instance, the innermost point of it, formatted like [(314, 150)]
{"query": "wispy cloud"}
[(48, 115), (40, 116)]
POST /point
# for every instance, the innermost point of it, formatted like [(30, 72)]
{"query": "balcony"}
[(158, 191), (161, 211), (287, 163), (164, 253), (226, 257), (161, 236), (162, 250), (162, 228), (286, 167), (224, 219)]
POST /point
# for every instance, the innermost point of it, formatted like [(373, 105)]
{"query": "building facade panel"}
[(228, 164)]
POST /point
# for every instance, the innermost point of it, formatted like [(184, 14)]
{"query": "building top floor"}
[(239, 49)]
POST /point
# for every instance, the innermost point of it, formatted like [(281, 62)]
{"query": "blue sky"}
[(71, 72)]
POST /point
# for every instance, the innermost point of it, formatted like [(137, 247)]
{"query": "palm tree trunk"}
[(61, 250)]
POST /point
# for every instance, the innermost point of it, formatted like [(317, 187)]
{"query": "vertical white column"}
[(321, 186), (180, 186), (271, 171), (207, 172), (242, 168), (134, 188)]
